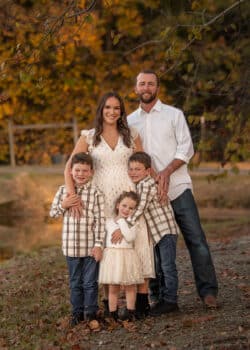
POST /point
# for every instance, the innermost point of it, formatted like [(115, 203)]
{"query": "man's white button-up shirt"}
[(165, 136)]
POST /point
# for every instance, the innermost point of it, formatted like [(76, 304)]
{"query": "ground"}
[(35, 308), (34, 296)]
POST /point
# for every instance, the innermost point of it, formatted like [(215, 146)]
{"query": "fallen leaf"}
[(191, 321), (130, 326), (241, 329), (62, 323), (94, 325), (76, 347)]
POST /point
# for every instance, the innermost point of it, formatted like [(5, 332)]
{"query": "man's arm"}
[(163, 178), (183, 154), (138, 144)]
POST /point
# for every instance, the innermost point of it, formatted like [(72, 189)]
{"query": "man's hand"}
[(116, 236), (163, 178), (97, 253), (75, 205)]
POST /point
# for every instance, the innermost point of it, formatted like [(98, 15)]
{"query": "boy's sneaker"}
[(142, 306), (163, 307), (76, 319)]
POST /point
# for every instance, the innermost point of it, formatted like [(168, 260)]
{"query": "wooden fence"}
[(13, 127)]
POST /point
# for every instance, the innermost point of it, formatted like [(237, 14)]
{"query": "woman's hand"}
[(75, 205), (70, 200)]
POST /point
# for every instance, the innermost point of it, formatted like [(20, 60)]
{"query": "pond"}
[(27, 236)]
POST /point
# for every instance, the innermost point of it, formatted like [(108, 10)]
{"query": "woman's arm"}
[(138, 144), (81, 146)]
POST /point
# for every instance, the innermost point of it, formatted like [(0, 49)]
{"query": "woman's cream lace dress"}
[(111, 177)]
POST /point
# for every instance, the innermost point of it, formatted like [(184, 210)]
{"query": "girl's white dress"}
[(111, 177), (120, 263)]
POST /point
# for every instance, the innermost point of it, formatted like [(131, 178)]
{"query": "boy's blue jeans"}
[(164, 287), (187, 217), (83, 275)]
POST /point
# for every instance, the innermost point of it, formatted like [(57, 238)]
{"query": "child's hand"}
[(116, 236), (97, 253), (163, 179)]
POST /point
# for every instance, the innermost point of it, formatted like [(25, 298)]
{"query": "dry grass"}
[(231, 191)]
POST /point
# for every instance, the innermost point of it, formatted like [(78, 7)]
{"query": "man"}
[(166, 138)]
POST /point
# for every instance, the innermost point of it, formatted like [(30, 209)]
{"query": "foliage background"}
[(59, 57)]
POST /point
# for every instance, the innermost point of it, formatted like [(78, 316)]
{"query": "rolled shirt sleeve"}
[(184, 149)]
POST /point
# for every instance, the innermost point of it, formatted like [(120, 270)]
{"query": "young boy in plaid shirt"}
[(82, 238), (163, 230)]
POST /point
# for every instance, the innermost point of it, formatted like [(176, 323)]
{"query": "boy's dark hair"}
[(141, 157), (130, 194), (149, 71), (82, 158)]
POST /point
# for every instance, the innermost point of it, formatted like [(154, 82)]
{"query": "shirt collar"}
[(146, 179), (157, 107), (84, 186)]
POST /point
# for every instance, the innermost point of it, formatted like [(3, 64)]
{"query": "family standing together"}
[(127, 194)]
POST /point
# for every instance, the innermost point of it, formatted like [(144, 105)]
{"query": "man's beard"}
[(150, 99)]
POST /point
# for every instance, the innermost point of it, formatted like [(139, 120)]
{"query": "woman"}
[(110, 144)]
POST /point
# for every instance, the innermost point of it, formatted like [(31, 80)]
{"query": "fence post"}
[(75, 130), (11, 143), (203, 135)]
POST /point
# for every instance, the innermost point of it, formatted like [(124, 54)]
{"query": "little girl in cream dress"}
[(120, 265)]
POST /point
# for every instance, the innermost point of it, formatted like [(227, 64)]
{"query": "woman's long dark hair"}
[(122, 125)]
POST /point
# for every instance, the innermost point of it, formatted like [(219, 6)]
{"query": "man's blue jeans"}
[(187, 217), (165, 285), (83, 274)]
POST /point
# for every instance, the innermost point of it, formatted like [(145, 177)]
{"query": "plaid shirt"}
[(79, 236), (160, 219)]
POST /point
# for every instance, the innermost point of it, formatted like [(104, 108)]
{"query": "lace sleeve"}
[(88, 135)]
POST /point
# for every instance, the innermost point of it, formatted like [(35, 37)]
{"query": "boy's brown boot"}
[(142, 306)]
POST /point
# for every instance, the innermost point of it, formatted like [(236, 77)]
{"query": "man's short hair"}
[(149, 71), (82, 158), (141, 157)]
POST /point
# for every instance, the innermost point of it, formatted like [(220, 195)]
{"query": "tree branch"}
[(204, 25)]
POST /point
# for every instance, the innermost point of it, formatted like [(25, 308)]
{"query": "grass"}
[(33, 300)]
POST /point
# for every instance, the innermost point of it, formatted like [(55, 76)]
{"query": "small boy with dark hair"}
[(164, 231), (82, 238)]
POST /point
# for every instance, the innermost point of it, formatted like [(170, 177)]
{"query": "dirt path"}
[(193, 327), (34, 308)]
